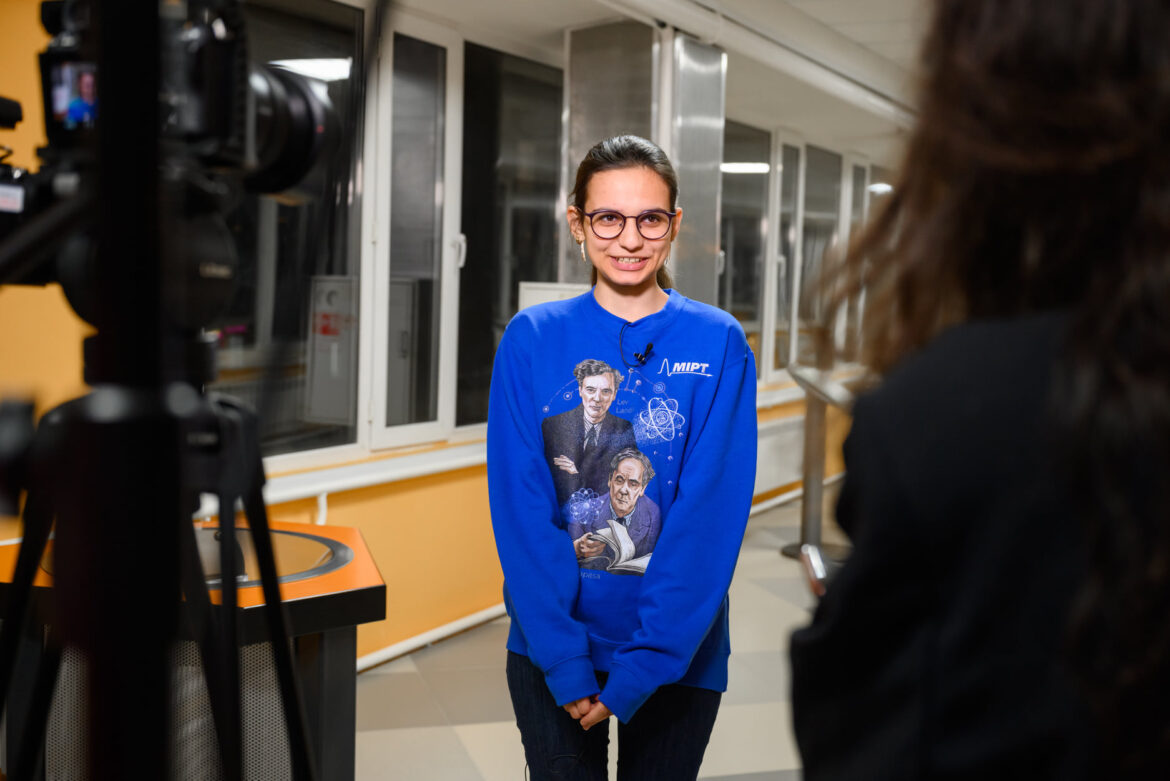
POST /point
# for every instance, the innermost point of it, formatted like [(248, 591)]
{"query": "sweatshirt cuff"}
[(624, 693), (571, 679)]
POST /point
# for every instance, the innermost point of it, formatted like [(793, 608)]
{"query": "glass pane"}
[(881, 185), (743, 227), (851, 336), (299, 254), (416, 229), (511, 153), (822, 210), (785, 278)]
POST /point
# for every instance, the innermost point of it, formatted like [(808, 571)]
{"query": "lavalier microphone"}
[(642, 357)]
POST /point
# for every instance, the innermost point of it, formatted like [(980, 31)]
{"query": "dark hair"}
[(625, 152), (1037, 176), (637, 455), (592, 368)]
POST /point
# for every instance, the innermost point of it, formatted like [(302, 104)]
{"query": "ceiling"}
[(872, 43), (890, 28)]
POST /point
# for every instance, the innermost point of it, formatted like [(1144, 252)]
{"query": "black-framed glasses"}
[(652, 224)]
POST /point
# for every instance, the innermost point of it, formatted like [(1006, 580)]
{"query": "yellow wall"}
[(431, 538), (21, 39), (40, 352)]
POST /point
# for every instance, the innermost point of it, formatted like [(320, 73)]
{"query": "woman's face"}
[(629, 262)]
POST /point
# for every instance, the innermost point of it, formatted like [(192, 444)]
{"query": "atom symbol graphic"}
[(661, 419), (576, 505)]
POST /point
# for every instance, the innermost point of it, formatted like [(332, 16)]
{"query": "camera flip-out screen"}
[(71, 99)]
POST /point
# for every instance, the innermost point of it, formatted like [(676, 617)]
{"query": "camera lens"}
[(294, 125)]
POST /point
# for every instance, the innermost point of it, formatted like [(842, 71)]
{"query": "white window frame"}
[(381, 434), (852, 159), (771, 227), (770, 277), (782, 137), (844, 228)]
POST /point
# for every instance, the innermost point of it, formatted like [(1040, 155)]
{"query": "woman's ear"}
[(677, 223), (575, 226)]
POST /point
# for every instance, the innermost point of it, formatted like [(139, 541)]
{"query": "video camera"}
[(227, 126)]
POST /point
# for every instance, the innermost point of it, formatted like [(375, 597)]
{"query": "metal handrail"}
[(822, 389), (821, 383)]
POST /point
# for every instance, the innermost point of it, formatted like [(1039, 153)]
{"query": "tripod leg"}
[(223, 693), (229, 598), (38, 522), (31, 750), (302, 761)]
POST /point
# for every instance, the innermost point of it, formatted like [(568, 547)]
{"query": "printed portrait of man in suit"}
[(618, 531), (580, 443)]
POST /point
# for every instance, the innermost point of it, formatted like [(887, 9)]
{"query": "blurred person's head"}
[(1037, 177), (87, 86)]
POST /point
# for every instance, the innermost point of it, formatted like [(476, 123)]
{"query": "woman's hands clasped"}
[(589, 711)]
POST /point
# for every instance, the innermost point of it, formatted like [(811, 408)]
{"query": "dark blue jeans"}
[(664, 741)]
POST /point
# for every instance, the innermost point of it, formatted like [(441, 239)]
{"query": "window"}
[(789, 241), (743, 226), (850, 340), (881, 184), (820, 235), (415, 228), (299, 254), (511, 156), (418, 115)]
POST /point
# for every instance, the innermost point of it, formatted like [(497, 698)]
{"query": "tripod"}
[(145, 258), (220, 454)]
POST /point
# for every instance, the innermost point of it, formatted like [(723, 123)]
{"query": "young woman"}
[(1004, 613), (621, 461)]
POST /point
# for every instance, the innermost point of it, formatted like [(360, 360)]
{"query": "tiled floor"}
[(443, 713)]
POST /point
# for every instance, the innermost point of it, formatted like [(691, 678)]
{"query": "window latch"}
[(460, 243)]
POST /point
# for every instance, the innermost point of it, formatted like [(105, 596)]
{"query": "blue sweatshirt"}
[(619, 492)]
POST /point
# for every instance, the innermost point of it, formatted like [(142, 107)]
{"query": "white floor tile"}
[(495, 749), (499, 755), (751, 739), (761, 621), (416, 754)]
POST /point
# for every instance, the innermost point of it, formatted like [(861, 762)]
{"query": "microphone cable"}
[(640, 358)]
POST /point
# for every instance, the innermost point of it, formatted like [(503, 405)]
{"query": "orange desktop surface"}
[(352, 594)]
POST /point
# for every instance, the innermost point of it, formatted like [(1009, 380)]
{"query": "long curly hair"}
[(1037, 176)]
